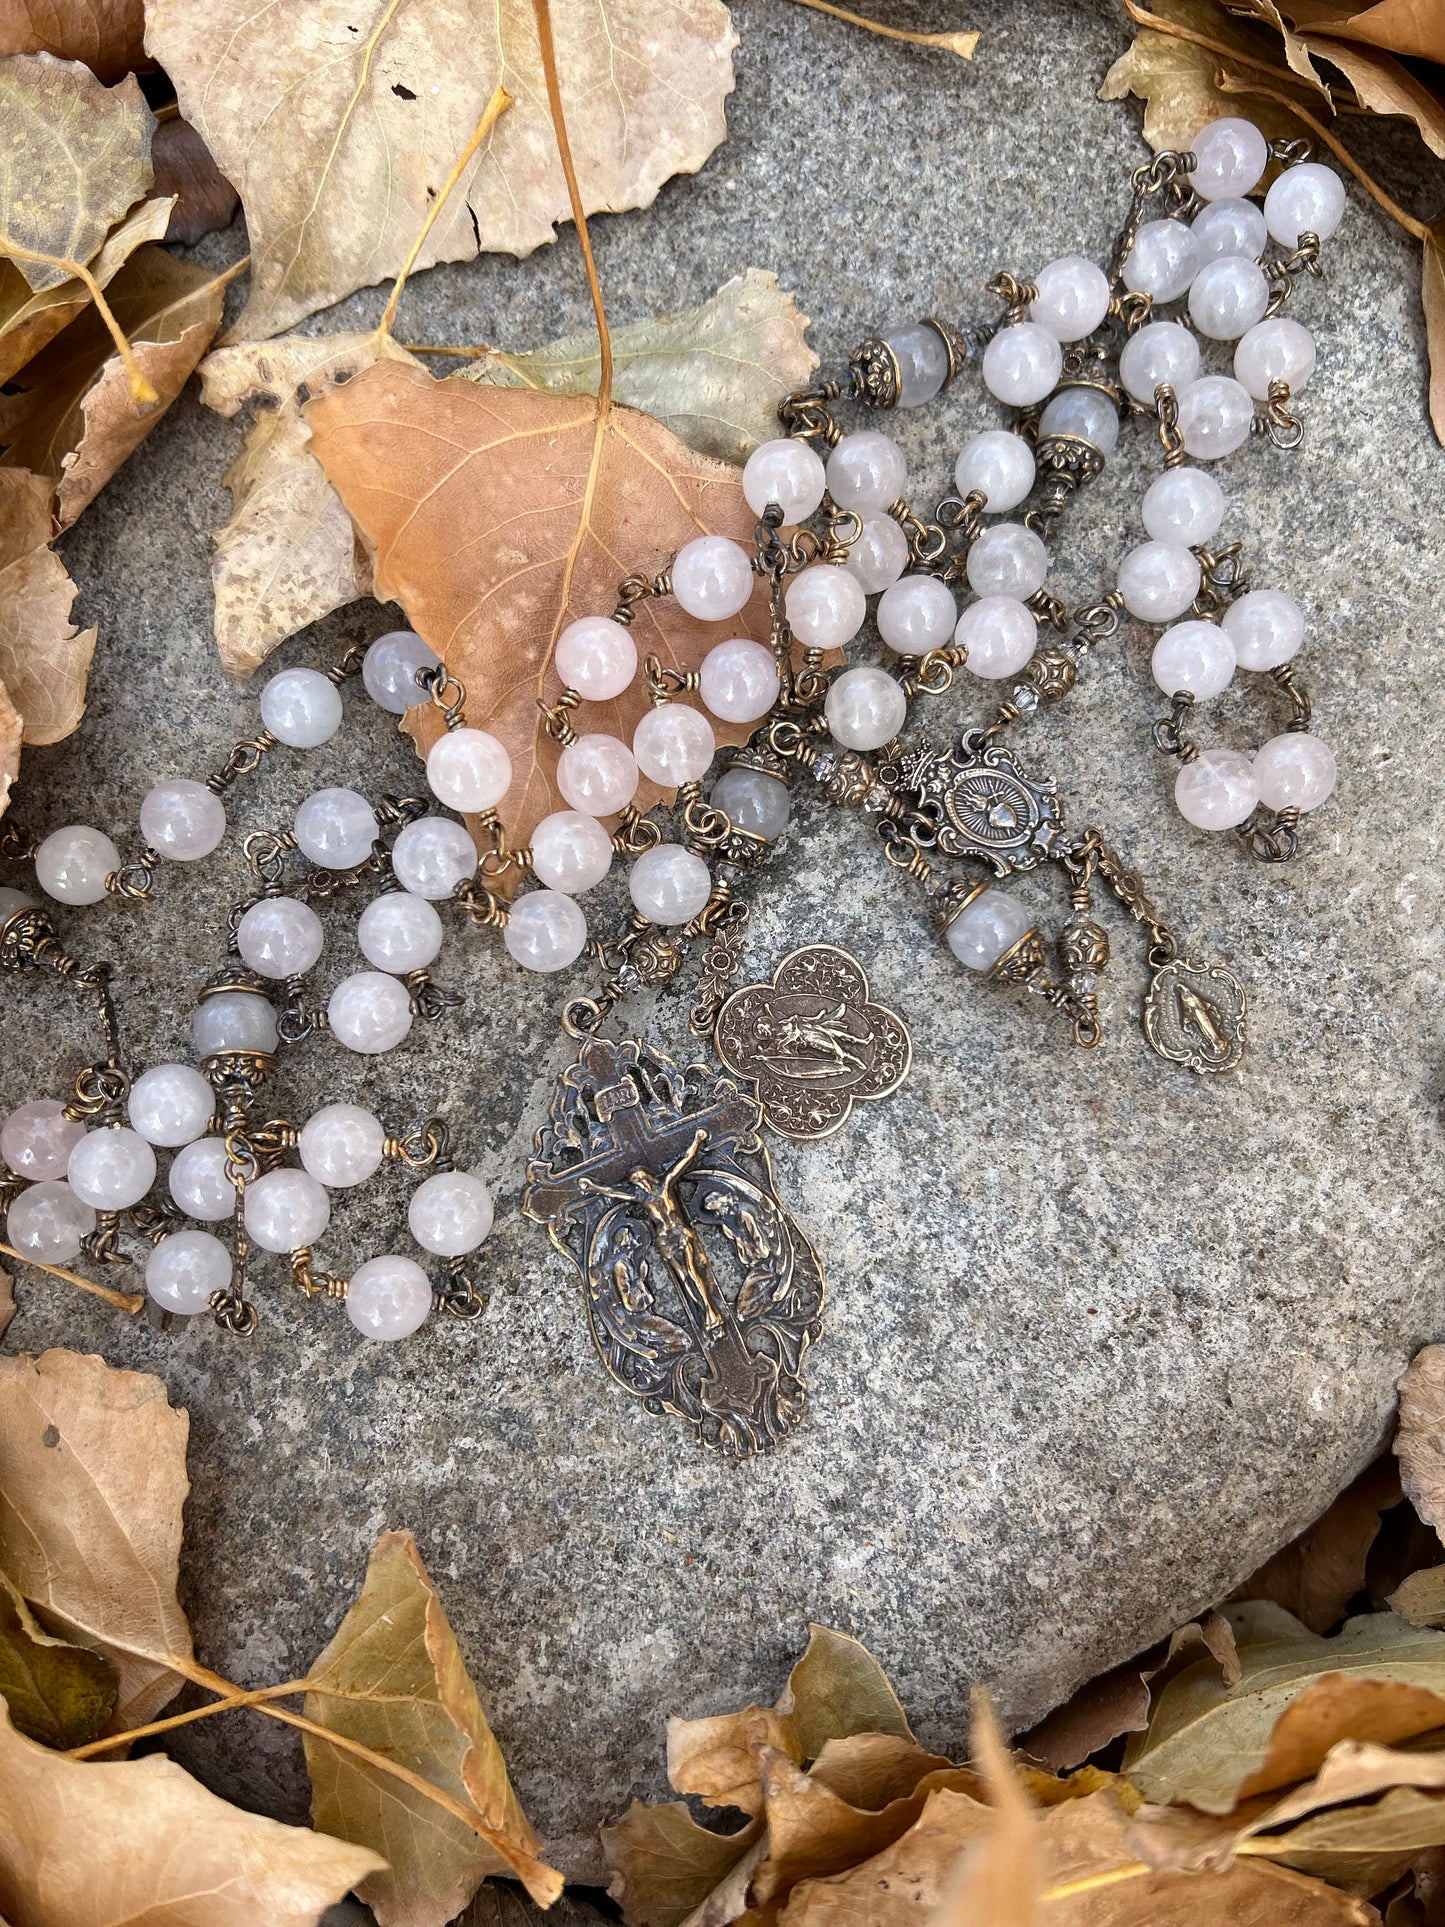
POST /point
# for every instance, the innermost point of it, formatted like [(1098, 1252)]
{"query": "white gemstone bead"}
[(712, 577), (1072, 299), (198, 1183), (1184, 506), (233, 1020), (72, 864), (1162, 261), (879, 556), (285, 1210), (1275, 350), (342, 1145), (545, 931), (388, 1298), (998, 635), (12, 902), (450, 1213), (674, 744), (669, 884), (1215, 417), (185, 1268), (739, 680), (399, 932), (1307, 199), (432, 856), (182, 820), (1088, 414), (986, 928), (1229, 157), (1228, 297), (571, 852), (864, 708), (1230, 226), (388, 670), (596, 657), (1007, 559), (1216, 790), (867, 471), (1266, 627), (1196, 657), (37, 1139), (335, 828), (47, 1222), (1295, 771), (1159, 580), (597, 775), (280, 937), (825, 607), (468, 770), (110, 1170), (302, 708), (1022, 363), (998, 465), (785, 471), (922, 357), (171, 1104), (1161, 351), (917, 614), (369, 1012), (753, 801)]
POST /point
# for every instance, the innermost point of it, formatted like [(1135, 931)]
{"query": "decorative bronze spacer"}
[(1052, 673), (877, 377), (1083, 946), (234, 977), (25, 934), (954, 340), (954, 898), (1020, 961)]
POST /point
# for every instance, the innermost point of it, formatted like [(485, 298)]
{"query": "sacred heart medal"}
[(702, 1293)]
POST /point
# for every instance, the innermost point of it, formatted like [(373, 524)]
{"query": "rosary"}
[(702, 1293)]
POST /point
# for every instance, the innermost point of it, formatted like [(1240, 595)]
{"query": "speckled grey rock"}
[(1100, 1336)]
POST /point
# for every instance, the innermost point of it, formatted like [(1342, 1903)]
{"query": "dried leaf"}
[(1399, 26), (1386, 86), (393, 1679), (1174, 76), (73, 418), (205, 200), (1432, 294), (1298, 1694), (11, 731), (872, 1769), (717, 1759), (836, 1689), (58, 1693), (1317, 1575), (289, 554), (108, 35), (115, 1845), (1420, 1439), (44, 658), (713, 375), (906, 1882), (1419, 1599), (1002, 1878), (336, 121), (28, 321), (87, 145), (664, 1865), (494, 521), (92, 1480)]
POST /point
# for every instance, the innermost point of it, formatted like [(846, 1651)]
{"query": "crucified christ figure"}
[(679, 1244)]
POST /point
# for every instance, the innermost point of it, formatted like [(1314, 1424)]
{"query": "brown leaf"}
[(836, 1689), (58, 1693), (1400, 26), (905, 1883), (1386, 86), (28, 321), (1317, 1575), (1419, 1599), (289, 554), (74, 419), (664, 1865), (717, 1759), (117, 1845), (493, 526), (336, 121), (205, 200), (1001, 1877), (11, 733), (1174, 76), (108, 35), (1432, 294), (44, 658), (92, 1481), (393, 1679), (1420, 1439), (872, 1769), (74, 158)]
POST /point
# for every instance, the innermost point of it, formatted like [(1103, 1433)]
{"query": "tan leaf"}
[(28, 321), (1214, 1745), (44, 658), (872, 1769), (713, 375), (393, 1679), (1385, 85), (11, 733), (493, 526), (1420, 1439), (58, 1693), (74, 419), (86, 148), (205, 200), (336, 121), (289, 553), (1399, 26), (1419, 1599), (108, 35), (1001, 1878), (1317, 1575), (664, 1865), (92, 1481), (1432, 286), (717, 1759), (904, 1884), (1174, 76), (836, 1689), (115, 1845)]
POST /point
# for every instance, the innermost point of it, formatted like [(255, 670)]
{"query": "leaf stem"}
[(961, 44), (1086, 1883), (1156, 23), (130, 1301), (141, 391), (497, 106), (542, 9), (226, 1704), (433, 348)]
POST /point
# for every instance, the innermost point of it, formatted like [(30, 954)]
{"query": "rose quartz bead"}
[(1193, 657), (825, 607), (1230, 154), (36, 1141), (1072, 298), (880, 555), (1216, 790), (1275, 350), (712, 577), (1007, 559), (597, 775), (571, 852), (596, 657), (1266, 627), (468, 770), (546, 931), (674, 744), (739, 680), (916, 615), (786, 471), (1159, 580), (998, 635), (1295, 771), (1022, 363), (867, 472)]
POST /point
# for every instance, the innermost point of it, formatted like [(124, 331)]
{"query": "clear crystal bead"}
[(1025, 698)]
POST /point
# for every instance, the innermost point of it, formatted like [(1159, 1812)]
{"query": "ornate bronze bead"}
[(656, 957), (876, 374), (1083, 947), (1052, 673)]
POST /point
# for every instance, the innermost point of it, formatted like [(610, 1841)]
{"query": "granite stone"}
[(1100, 1335)]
